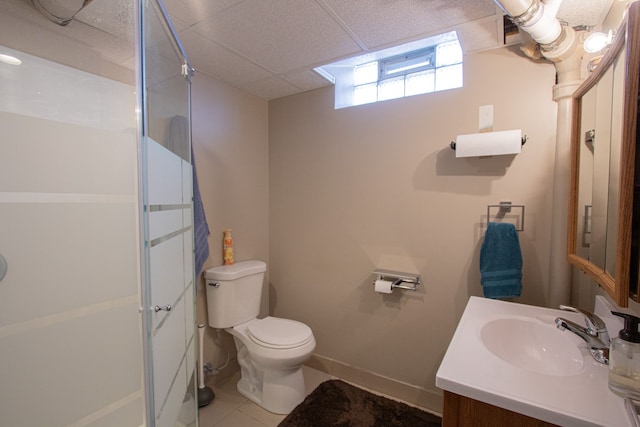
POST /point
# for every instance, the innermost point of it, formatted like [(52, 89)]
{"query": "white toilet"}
[(271, 351)]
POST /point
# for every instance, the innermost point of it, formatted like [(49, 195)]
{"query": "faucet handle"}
[(593, 322)]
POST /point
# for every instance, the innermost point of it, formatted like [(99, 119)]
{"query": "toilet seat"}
[(274, 332)]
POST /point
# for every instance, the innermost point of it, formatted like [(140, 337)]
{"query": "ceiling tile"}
[(381, 23), (269, 47), (271, 88), (280, 35), (583, 12), (178, 24), (193, 11), (306, 80), (115, 17), (112, 48), (216, 61), (160, 68)]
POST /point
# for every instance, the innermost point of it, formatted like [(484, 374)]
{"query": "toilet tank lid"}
[(235, 271)]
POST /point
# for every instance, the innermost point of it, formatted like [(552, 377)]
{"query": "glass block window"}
[(448, 54), (449, 77), (365, 94), (428, 70), (423, 82), (366, 73), (391, 88), (418, 67), (407, 63)]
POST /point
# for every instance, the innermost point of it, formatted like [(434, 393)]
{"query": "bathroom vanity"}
[(508, 364), (462, 411)]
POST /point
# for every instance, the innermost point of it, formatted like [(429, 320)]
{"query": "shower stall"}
[(97, 294)]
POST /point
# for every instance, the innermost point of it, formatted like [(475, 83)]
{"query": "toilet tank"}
[(234, 293)]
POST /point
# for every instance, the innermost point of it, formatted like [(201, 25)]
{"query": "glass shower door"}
[(89, 209), (169, 320), (70, 346)]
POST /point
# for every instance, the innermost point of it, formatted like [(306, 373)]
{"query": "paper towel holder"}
[(523, 141), (400, 280)]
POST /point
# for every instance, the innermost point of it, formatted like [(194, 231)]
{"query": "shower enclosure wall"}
[(96, 250)]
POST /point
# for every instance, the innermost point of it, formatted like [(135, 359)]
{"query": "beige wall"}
[(230, 145), (377, 186)]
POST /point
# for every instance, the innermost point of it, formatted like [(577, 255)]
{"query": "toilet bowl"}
[(271, 362), (271, 350)]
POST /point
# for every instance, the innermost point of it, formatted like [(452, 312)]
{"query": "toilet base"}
[(281, 390)]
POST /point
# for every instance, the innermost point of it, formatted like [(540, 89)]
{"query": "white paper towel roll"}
[(489, 143), (383, 286)]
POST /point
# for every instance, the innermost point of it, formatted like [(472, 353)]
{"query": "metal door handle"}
[(157, 308)]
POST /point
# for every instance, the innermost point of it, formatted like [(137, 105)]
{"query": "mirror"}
[(601, 215)]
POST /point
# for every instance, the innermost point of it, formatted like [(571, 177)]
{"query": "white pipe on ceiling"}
[(534, 17), (558, 44)]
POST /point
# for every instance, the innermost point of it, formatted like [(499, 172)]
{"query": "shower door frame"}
[(149, 308)]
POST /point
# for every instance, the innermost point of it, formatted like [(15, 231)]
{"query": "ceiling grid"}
[(270, 47)]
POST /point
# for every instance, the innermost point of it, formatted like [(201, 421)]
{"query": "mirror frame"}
[(627, 39)]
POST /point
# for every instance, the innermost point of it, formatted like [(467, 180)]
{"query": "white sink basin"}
[(512, 356), (531, 345)]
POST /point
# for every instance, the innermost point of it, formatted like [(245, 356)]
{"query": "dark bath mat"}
[(338, 404)]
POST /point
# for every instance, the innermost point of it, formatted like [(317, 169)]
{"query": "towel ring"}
[(504, 208)]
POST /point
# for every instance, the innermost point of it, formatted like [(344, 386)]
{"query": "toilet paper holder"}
[(399, 280)]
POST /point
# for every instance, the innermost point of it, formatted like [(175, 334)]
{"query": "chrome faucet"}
[(594, 333)]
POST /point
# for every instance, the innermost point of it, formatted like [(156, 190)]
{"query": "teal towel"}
[(501, 262)]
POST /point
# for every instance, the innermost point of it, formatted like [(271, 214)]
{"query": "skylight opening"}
[(421, 67)]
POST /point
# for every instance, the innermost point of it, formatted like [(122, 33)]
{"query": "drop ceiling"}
[(270, 47)]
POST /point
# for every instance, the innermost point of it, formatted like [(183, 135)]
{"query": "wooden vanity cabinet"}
[(460, 411)]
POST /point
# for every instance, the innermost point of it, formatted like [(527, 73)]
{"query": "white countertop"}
[(471, 370)]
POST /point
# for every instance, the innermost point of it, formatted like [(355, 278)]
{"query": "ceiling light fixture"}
[(8, 59), (597, 41)]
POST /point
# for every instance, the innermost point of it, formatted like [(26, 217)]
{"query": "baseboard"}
[(411, 394)]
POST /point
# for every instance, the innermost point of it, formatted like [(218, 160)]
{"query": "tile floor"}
[(231, 409)]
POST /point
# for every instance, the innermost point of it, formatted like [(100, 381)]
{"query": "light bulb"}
[(597, 41)]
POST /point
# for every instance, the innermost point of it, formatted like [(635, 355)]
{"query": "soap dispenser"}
[(624, 358)]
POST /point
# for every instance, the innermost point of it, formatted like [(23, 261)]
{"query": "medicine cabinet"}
[(602, 240)]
